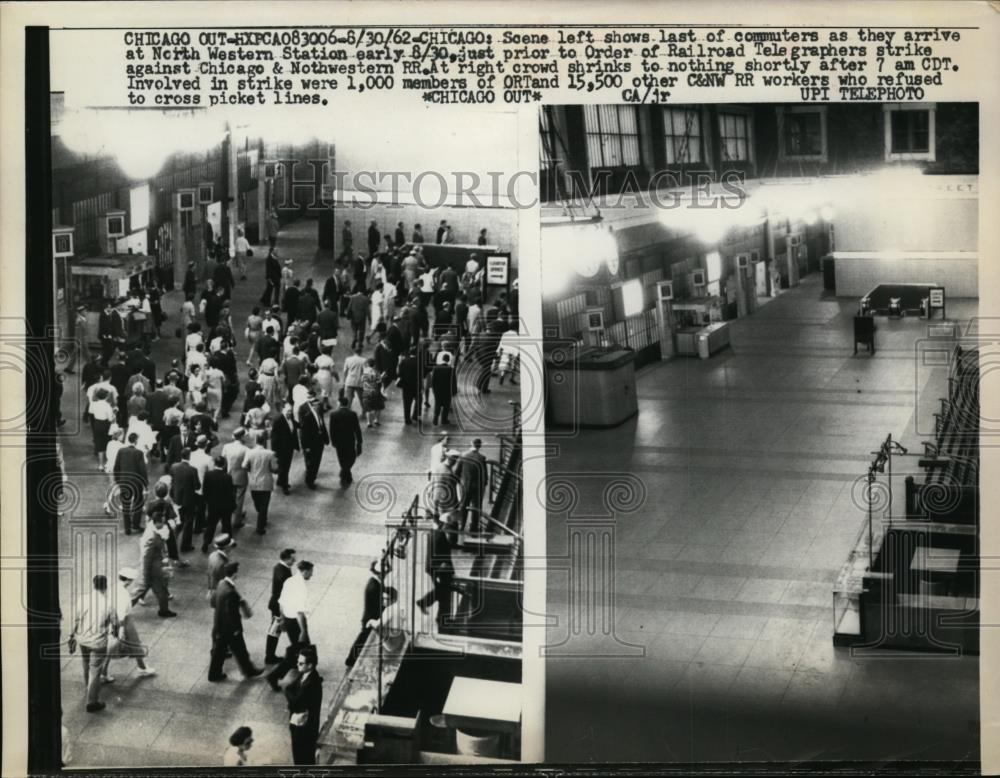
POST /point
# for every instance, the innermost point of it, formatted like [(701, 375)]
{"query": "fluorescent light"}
[(632, 297)]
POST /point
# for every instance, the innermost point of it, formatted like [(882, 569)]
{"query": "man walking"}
[(312, 432), (358, 310), (305, 700), (471, 471), (95, 619), (372, 610), (184, 485), (409, 383), (279, 575), (345, 437), (272, 279), (261, 466), (217, 562), (227, 628), (444, 384), (131, 479), (220, 501), (235, 453), (129, 644), (284, 444), (151, 564), (294, 606)]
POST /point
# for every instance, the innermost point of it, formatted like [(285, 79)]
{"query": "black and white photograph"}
[(769, 312), (290, 500)]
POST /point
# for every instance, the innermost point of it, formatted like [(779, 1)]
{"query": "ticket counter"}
[(590, 387), (96, 279)]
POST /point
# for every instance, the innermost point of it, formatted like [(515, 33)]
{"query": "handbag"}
[(250, 252), (299, 719), (274, 629)]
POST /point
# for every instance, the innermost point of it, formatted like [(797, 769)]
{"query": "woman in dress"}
[(196, 386), (214, 382), (250, 389), (270, 385), (326, 374), (372, 400), (253, 331), (102, 415)]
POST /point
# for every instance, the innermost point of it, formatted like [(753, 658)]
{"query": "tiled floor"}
[(724, 573), (177, 717)]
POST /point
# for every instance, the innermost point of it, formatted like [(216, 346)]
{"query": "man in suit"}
[(345, 437), (294, 606), (272, 278), (372, 609), (440, 567), (151, 563), (267, 346), (217, 562), (227, 628), (284, 444), (282, 572), (471, 471), (409, 383), (235, 453), (305, 701), (442, 229), (261, 464), (358, 309), (444, 384), (106, 331), (131, 479), (220, 501), (290, 302), (329, 322), (374, 239), (314, 438), (184, 484)]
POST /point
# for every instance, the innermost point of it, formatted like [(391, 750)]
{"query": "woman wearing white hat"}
[(128, 644)]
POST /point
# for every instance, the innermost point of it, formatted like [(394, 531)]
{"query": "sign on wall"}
[(497, 270)]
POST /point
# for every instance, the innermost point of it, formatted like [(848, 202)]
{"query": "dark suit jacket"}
[(409, 374), (284, 441), (331, 291), (184, 484), (306, 696), (228, 616), (444, 382), (290, 304), (279, 575), (329, 323), (472, 475), (312, 431), (268, 347), (345, 431), (272, 271), (218, 491), (394, 338), (130, 467), (400, 237), (373, 600)]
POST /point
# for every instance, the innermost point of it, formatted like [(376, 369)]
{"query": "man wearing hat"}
[(81, 336), (235, 453), (217, 562), (314, 438), (129, 644), (220, 501)]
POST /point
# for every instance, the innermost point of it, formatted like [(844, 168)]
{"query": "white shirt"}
[(107, 386), (147, 438), (192, 340), (354, 366), (427, 282), (472, 267), (275, 324), (201, 462), (294, 597), (378, 304), (114, 446), (123, 601), (300, 396), (437, 454), (196, 358), (242, 245)]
